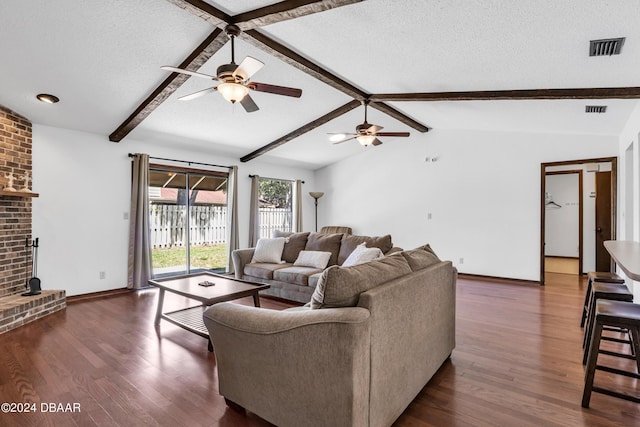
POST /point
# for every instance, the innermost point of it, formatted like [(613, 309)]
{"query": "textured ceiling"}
[(103, 59)]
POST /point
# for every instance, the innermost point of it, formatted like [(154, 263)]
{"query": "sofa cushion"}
[(420, 258), (350, 242), (295, 275), (269, 250), (341, 286), (325, 243), (313, 259), (293, 245), (263, 270), (362, 254)]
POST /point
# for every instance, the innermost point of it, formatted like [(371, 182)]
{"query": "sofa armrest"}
[(293, 367), (240, 258)]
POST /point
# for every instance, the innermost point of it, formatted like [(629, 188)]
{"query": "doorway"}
[(590, 241), (564, 221), (187, 217)]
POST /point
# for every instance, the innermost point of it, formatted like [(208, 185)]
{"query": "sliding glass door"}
[(188, 218)]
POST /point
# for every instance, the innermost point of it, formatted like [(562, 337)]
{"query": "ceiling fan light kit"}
[(233, 92), (366, 139)]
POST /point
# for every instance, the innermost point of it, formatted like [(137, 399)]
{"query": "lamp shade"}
[(316, 194), (366, 139), (233, 92)]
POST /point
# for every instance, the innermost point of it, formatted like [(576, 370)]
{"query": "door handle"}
[(599, 229)]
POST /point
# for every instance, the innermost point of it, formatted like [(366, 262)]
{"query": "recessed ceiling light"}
[(49, 99)]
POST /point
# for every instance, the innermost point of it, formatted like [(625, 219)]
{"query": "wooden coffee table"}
[(223, 289)]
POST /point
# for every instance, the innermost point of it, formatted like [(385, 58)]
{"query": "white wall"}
[(84, 185), (629, 183), (483, 193)]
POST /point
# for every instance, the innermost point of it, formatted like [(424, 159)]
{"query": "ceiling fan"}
[(366, 133), (234, 79)]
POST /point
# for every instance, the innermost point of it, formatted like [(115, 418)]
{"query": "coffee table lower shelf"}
[(189, 319)]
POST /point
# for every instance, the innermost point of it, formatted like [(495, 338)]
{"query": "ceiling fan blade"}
[(344, 140), (374, 129), (339, 136), (278, 90), (403, 134), (197, 94), (191, 73), (248, 67), (376, 142), (248, 104)]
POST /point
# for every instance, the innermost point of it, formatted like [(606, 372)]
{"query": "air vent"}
[(606, 47), (595, 109)]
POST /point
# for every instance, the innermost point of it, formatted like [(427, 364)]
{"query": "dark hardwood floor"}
[(517, 363)]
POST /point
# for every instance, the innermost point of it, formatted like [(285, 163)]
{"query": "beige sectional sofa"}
[(297, 283), (373, 337)]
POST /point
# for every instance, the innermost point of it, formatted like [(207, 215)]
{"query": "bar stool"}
[(606, 291), (618, 314), (597, 276)]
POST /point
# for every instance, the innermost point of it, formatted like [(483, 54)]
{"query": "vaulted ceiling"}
[(424, 64)]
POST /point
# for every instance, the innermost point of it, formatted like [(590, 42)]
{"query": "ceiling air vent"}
[(595, 109), (606, 47)]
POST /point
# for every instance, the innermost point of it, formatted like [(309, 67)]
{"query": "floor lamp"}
[(316, 195)]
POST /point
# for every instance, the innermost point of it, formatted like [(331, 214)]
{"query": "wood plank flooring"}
[(517, 363)]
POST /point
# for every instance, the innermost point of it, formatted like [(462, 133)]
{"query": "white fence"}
[(208, 224), (274, 219)]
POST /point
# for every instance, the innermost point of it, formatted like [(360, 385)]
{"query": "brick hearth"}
[(16, 230), (16, 310)]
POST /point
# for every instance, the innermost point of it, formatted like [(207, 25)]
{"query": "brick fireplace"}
[(16, 230)]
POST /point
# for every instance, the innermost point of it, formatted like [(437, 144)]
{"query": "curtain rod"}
[(186, 161), (275, 179)]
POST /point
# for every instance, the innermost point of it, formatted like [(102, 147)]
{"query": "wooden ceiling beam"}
[(193, 62), (302, 130), (204, 11), (390, 111), (285, 10), (496, 95), (287, 55)]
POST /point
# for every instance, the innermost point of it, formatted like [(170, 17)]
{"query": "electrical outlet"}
[(125, 215), (461, 261), (103, 275)]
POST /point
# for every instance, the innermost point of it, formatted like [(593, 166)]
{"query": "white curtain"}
[(297, 206), (233, 242), (140, 264), (254, 212)]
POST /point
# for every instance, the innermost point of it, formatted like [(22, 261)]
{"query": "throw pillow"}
[(325, 243), (294, 244), (350, 242), (342, 286), (314, 259), (362, 254), (269, 250), (420, 258)]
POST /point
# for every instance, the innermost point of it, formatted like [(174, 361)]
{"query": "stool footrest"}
[(617, 371), (613, 353), (620, 340), (616, 394), (621, 330)]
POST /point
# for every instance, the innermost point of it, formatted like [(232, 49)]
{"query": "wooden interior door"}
[(603, 219)]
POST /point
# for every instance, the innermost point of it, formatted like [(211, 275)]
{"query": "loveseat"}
[(373, 336), (297, 282)]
